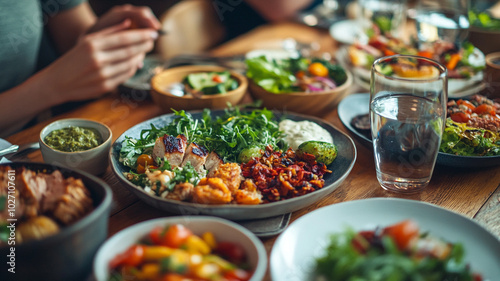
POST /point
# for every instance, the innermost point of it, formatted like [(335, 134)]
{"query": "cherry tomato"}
[(132, 257), (231, 251), (485, 109), (217, 79), (318, 69), (237, 275), (141, 169), (467, 103), (145, 160), (460, 117), (173, 236), (402, 233)]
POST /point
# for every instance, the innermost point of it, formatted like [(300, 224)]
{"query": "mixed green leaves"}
[(387, 263), (227, 134), (458, 139), (483, 20), (278, 75)]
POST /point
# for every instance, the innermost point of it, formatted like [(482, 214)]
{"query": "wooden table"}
[(474, 193)]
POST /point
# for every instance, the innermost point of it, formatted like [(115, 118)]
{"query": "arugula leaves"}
[(227, 135)]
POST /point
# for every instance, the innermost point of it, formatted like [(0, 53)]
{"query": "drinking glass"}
[(388, 16), (408, 96), (445, 20)]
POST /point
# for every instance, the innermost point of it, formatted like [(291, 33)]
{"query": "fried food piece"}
[(182, 192), (248, 194), (211, 191), (230, 173)]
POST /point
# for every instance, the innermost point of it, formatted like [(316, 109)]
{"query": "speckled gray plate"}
[(357, 104), (340, 168)]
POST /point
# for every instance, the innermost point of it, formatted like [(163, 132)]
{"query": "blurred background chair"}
[(192, 26)]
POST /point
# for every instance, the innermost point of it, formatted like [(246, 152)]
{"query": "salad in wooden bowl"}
[(303, 85)]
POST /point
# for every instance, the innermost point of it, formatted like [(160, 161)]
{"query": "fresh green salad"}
[(459, 139), (295, 74), (228, 135), (483, 20), (211, 83), (394, 253)]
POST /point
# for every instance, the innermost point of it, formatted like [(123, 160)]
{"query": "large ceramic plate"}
[(345, 31), (357, 104), (340, 169), (457, 88), (293, 255)]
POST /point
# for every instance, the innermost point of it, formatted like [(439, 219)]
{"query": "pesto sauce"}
[(73, 139)]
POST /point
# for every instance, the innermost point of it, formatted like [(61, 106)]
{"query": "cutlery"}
[(17, 150)]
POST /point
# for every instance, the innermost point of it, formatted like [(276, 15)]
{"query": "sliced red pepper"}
[(132, 257)]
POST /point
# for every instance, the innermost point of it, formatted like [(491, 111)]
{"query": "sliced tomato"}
[(402, 233), (467, 103), (156, 235), (231, 251), (388, 52), (237, 275), (485, 109), (132, 257), (460, 117)]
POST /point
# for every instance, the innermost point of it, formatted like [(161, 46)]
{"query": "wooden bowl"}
[(162, 97), (311, 103)]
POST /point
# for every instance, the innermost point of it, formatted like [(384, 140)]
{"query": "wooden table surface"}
[(474, 193)]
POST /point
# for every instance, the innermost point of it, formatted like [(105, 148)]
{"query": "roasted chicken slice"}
[(170, 147), (212, 163), (196, 155)]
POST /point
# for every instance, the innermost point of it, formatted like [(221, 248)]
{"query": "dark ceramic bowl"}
[(68, 254)]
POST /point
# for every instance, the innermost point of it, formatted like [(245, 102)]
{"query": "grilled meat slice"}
[(173, 148), (55, 190), (213, 162), (197, 155), (75, 202)]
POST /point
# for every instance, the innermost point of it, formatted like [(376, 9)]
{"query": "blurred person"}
[(57, 51)]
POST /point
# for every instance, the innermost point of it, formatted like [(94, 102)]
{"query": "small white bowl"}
[(222, 229), (93, 161)]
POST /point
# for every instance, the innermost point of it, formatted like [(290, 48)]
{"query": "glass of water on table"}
[(444, 20), (408, 96)]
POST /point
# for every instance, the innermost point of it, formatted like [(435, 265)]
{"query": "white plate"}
[(223, 230), (345, 31), (457, 88), (293, 255)]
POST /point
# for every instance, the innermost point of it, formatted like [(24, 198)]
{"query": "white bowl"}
[(93, 161), (222, 229)]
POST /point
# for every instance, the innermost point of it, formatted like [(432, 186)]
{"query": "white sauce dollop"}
[(302, 131)]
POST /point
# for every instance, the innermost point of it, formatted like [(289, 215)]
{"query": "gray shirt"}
[(25, 46)]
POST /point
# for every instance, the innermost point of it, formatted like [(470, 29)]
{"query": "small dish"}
[(223, 230), (73, 247), (93, 161), (161, 89)]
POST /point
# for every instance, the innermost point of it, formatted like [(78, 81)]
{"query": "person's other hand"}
[(141, 17), (99, 62)]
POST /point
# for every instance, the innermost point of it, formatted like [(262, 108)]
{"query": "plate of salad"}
[(304, 85), (232, 163), (367, 239), (464, 143), (465, 64)]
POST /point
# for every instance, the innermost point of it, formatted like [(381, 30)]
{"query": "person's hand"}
[(141, 17), (98, 63)]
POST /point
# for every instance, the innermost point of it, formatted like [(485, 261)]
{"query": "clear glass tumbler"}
[(381, 17), (408, 96), (445, 20)]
